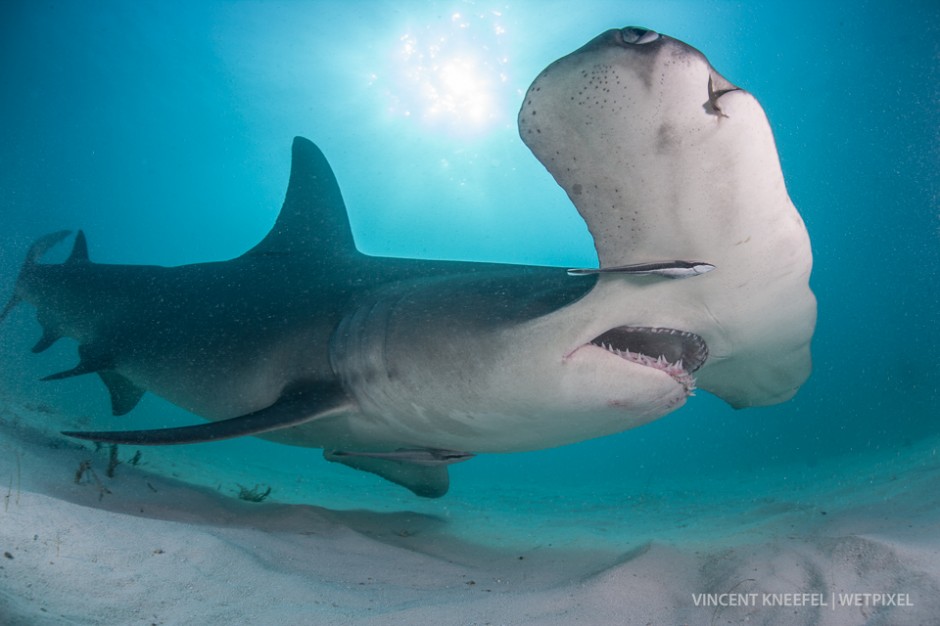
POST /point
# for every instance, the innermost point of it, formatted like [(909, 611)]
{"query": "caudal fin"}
[(36, 252)]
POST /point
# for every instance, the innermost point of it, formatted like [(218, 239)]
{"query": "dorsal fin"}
[(313, 218), (79, 249)]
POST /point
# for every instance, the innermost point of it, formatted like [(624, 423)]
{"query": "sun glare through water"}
[(449, 74)]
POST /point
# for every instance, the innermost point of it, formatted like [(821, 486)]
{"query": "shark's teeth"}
[(680, 370), (675, 370)]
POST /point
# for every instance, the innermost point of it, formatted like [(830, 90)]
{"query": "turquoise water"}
[(163, 130)]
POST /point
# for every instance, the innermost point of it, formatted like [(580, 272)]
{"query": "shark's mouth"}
[(675, 352)]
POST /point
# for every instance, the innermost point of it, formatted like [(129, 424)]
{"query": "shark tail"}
[(33, 256), (31, 286)]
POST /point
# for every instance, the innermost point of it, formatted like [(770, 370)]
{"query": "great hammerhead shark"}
[(400, 367)]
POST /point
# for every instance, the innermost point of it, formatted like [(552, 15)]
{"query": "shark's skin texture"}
[(400, 367)]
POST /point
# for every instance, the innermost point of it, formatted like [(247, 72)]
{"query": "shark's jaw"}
[(677, 353)]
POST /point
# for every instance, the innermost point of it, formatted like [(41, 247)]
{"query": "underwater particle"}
[(8, 555), (254, 494)]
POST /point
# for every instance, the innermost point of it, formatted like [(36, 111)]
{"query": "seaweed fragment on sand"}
[(113, 460), (85, 468), (255, 494)]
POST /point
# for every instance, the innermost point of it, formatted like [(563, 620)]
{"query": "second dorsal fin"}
[(79, 249)]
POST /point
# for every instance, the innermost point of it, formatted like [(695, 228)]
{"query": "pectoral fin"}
[(295, 407)]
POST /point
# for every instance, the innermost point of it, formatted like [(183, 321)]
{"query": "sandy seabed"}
[(143, 547)]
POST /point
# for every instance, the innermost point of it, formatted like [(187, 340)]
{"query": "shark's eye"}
[(638, 36)]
